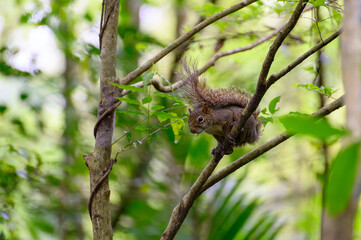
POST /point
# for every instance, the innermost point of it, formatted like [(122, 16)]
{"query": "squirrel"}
[(217, 111)]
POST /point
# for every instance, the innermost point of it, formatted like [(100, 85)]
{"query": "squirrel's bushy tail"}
[(197, 93)]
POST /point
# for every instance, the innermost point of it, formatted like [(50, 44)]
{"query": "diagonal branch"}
[(137, 72), (266, 147), (267, 63), (274, 77), (219, 55)]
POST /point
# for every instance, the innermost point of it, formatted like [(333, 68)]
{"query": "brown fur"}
[(217, 111)]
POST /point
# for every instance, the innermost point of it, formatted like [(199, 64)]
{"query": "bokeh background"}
[(49, 91)]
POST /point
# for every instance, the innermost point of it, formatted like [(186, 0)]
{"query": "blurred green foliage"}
[(49, 71)]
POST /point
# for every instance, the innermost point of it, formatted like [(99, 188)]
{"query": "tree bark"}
[(341, 226), (99, 161)]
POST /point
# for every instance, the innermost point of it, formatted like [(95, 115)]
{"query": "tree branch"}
[(262, 84), (274, 77), (219, 55), (137, 72), (141, 69), (266, 147)]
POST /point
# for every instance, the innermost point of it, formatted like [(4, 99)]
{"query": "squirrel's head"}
[(199, 119)]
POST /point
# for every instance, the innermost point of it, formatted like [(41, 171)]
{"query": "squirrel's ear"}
[(205, 109), (190, 111)]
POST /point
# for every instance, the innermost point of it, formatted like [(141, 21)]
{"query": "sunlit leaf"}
[(266, 120), (163, 116), (177, 127), (310, 126), (272, 105), (147, 77), (322, 90)]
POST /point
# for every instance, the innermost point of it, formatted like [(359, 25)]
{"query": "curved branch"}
[(266, 147), (137, 72)]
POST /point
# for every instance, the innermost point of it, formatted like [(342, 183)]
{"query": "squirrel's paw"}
[(222, 150), (218, 151), (228, 151)]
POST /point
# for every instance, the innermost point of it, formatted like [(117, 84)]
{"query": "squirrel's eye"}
[(200, 119)]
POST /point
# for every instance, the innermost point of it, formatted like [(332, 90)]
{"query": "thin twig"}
[(130, 129), (146, 137), (219, 55)]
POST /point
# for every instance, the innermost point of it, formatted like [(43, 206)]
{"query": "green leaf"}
[(147, 99), (318, 3), (342, 179), (272, 105), (157, 107), (209, 9), (128, 87), (141, 128), (266, 120), (240, 221), (166, 95), (177, 128), (310, 126), (128, 100), (322, 90), (310, 69), (128, 136), (146, 79), (264, 111), (163, 116)]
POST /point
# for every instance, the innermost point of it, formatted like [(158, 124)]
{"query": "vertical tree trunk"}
[(99, 161), (341, 227)]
